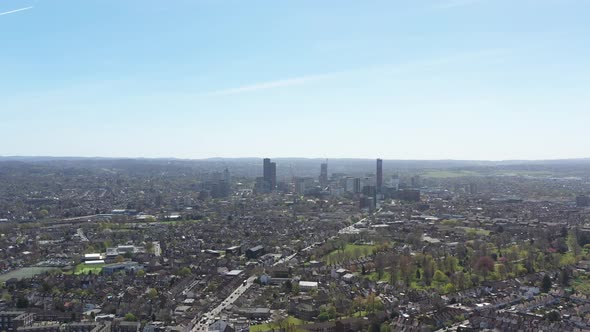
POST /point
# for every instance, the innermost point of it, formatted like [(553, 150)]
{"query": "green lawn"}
[(271, 326), (453, 173), (582, 284), (373, 276), (524, 172), (478, 231), (25, 272), (85, 269), (353, 250)]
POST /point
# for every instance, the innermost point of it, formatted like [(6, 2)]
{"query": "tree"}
[(561, 245), (563, 231), (406, 268), (185, 271), (119, 259), (43, 213), (450, 263), (572, 243), (502, 271), (553, 316), (288, 286), (564, 277), (323, 317), (153, 293), (546, 284), (149, 247), (484, 265), (393, 268), (440, 277), (459, 280), (375, 327), (129, 317), (380, 264), (295, 290), (428, 270), (46, 288), (332, 311), (22, 302), (7, 297)]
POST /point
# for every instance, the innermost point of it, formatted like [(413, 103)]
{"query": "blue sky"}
[(413, 79)]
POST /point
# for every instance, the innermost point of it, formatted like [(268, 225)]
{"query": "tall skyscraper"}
[(379, 183), (357, 185), (269, 175), (324, 174), (273, 176), (266, 169)]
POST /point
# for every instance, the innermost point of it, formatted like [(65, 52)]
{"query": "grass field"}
[(582, 284), (374, 276), (453, 173), (270, 326), (25, 272), (85, 269), (525, 173), (351, 250), (477, 231)]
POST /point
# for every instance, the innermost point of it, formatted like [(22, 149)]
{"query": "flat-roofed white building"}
[(92, 257), (306, 285)]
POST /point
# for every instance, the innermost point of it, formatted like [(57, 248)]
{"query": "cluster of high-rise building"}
[(268, 182), (217, 184), (369, 189)]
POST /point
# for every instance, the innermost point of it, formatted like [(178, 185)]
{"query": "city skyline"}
[(464, 80)]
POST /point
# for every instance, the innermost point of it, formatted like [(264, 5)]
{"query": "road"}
[(190, 286), (209, 318), (81, 235), (79, 218), (284, 259), (353, 230)]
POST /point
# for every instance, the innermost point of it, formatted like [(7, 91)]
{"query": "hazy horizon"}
[(18, 157)]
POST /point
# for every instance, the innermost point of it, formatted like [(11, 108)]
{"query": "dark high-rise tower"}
[(357, 186), (324, 174), (273, 176), (266, 169), (379, 185), (269, 174)]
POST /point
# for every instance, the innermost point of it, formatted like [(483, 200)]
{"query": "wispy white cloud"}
[(16, 10), (269, 85), (381, 69), (447, 4)]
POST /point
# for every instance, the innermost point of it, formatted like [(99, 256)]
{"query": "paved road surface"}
[(210, 316), (353, 230), (81, 235)]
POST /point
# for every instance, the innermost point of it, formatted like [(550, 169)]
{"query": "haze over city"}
[(448, 79)]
